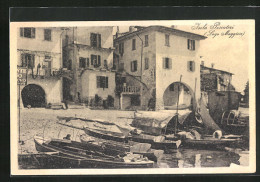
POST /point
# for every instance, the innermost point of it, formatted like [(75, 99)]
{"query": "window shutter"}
[(23, 61), (170, 63), (92, 59), (33, 32), (99, 40), (122, 48), (98, 81), (91, 39), (164, 62), (188, 66), (32, 60), (193, 66), (87, 62), (106, 82), (188, 43), (21, 32), (193, 44), (131, 66), (99, 61)]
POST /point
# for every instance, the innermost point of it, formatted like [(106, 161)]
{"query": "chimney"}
[(212, 65), (202, 63), (131, 28)]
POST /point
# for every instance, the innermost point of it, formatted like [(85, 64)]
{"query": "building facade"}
[(215, 80), (159, 67), (88, 53), (39, 51)]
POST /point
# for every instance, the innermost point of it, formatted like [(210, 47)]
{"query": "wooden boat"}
[(208, 142), (69, 153), (107, 135), (157, 142), (118, 148)]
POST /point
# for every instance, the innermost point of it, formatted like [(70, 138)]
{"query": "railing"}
[(131, 89)]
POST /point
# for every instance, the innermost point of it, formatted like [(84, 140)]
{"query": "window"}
[(27, 32), (121, 67), (82, 62), (102, 82), (105, 63), (167, 40), (146, 63), (191, 44), (95, 60), (191, 66), (95, 40), (47, 57), (47, 34), (28, 60), (167, 63), (121, 49), (133, 44), (146, 40), (134, 66), (87, 62)]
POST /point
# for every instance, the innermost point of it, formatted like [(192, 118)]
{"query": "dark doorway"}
[(66, 89), (34, 96)]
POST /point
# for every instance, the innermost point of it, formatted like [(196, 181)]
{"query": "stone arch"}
[(170, 96), (33, 95)]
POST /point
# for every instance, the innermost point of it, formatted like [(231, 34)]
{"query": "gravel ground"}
[(43, 121)]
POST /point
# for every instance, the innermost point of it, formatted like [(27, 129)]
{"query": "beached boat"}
[(67, 153), (104, 134), (118, 148), (195, 140), (210, 143), (157, 142)]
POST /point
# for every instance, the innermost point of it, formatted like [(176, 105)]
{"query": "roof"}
[(214, 69), (162, 29)]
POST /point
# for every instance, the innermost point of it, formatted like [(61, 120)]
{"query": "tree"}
[(246, 93)]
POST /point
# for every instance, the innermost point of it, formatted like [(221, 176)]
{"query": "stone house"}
[(88, 53), (157, 64), (39, 51)]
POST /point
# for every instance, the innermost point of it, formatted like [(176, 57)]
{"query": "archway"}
[(34, 96), (170, 96)]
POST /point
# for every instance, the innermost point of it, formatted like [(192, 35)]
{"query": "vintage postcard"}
[(132, 97)]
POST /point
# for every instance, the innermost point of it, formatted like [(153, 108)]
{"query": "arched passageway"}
[(170, 96), (34, 96)]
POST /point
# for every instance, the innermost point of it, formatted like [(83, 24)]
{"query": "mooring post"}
[(177, 120)]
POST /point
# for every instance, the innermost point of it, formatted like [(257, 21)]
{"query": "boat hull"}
[(76, 159), (165, 145), (101, 135)]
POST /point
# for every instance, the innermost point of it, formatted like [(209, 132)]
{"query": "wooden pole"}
[(177, 120), (19, 114)]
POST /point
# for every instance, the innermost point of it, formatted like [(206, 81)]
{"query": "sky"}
[(227, 46)]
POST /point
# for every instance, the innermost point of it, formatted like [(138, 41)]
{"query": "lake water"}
[(181, 158)]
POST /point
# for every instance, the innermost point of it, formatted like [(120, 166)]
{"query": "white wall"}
[(82, 35), (52, 88), (40, 47), (89, 84), (180, 56)]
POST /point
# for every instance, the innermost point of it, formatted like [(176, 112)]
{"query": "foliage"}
[(110, 101)]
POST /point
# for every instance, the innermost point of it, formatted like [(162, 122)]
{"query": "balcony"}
[(63, 73), (131, 90)]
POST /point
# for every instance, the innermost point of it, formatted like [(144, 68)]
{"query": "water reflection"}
[(181, 158), (190, 158)]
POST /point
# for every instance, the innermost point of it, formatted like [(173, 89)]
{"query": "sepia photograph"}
[(132, 97)]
